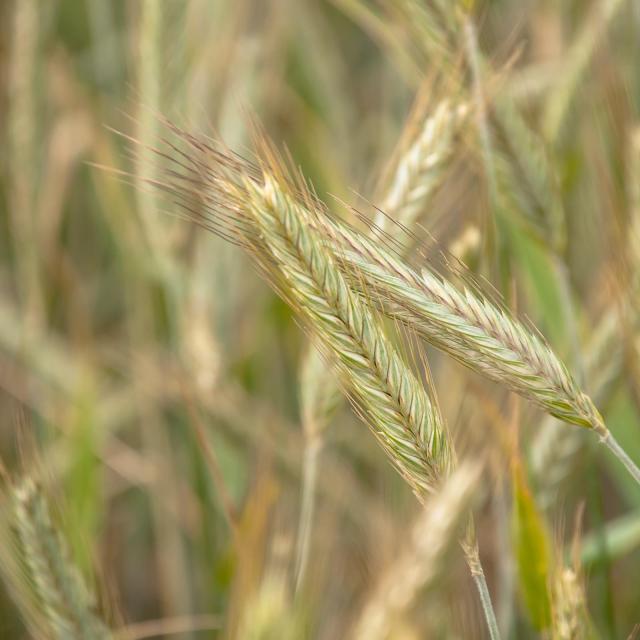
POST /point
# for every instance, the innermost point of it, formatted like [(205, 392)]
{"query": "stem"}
[(473, 561), (487, 607), (310, 472), (621, 454), (505, 582)]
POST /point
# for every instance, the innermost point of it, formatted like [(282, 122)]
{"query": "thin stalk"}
[(472, 555), (22, 148), (149, 70), (504, 568), (229, 509), (309, 480), (168, 547), (609, 441)]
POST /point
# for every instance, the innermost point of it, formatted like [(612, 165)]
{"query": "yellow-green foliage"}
[(532, 551)]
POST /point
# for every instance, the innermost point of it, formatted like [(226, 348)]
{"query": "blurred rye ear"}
[(422, 560), (570, 615), (576, 65), (421, 169), (46, 584)]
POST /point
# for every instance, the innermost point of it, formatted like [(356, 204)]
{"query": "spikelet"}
[(421, 561), (570, 617), (403, 418), (257, 209), (470, 328), (467, 326)]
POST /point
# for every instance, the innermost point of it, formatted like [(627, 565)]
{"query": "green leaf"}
[(84, 511), (548, 303), (531, 545)]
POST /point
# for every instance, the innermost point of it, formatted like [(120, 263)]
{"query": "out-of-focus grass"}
[(127, 335)]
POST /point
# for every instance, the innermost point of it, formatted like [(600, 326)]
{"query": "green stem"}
[(310, 473), (477, 573), (613, 445)]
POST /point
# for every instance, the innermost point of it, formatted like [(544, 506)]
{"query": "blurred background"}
[(153, 384)]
